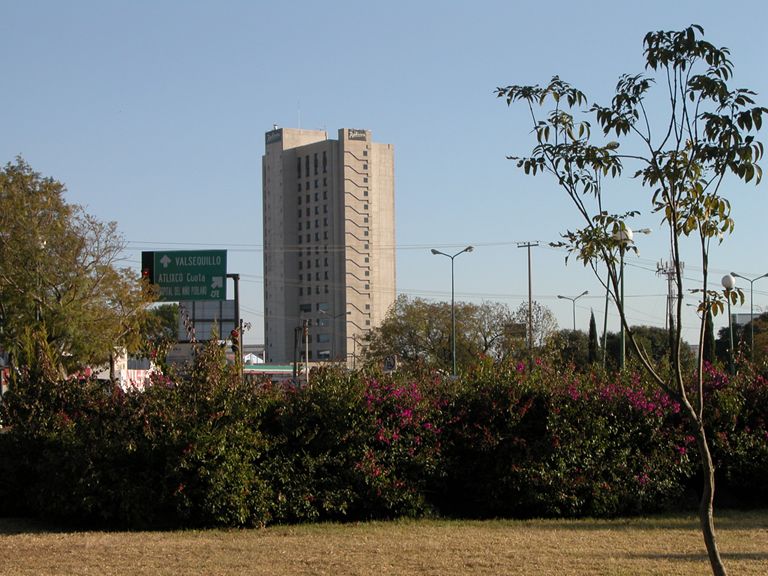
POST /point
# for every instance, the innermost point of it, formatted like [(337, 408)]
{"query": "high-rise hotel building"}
[(329, 241)]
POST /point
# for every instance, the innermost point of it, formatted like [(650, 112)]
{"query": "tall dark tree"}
[(594, 346), (684, 156)]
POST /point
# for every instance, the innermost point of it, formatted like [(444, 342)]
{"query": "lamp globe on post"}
[(729, 283), (624, 237), (453, 306)]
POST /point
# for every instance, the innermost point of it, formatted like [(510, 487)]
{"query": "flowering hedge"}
[(205, 448)]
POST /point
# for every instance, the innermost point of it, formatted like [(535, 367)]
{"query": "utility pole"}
[(238, 325), (667, 269), (529, 245)]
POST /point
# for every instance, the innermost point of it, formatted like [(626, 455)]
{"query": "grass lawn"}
[(659, 545)]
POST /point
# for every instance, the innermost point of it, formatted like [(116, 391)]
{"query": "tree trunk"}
[(706, 506), (112, 367)]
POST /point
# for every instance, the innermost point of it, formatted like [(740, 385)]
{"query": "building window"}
[(365, 152), (365, 206), (325, 162), (299, 186), (325, 235), (317, 276), (309, 264), (326, 288), (367, 286), (317, 289), (365, 246), (299, 214), (325, 208), (365, 180), (367, 322), (365, 166), (307, 211), (367, 306), (365, 192), (366, 259), (309, 236), (306, 166), (307, 194), (301, 291), (300, 264), (317, 236), (298, 199), (365, 232), (317, 185), (322, 338), (326, 261), (365, 220), (325, 221), (317, 262), (315, 163), (325, 182), (299, 225), (317, 222), (299, 238), (298, 167), (316, 196), (367, 273), (301, 278), (326, 275)]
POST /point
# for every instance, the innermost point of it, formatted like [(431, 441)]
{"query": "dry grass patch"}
[(664, 545)]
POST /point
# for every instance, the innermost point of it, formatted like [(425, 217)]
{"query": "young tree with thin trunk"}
[(684, 156)]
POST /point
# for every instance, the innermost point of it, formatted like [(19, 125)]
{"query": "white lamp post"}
[(573, 301), (453, 309), (624, 236), (729, 283), (751, 308)]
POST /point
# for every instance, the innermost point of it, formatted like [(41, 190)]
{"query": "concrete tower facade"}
[(329, 242)]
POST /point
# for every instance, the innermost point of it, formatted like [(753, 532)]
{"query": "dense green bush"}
[(738, 425), (204, 448), (544, 442)]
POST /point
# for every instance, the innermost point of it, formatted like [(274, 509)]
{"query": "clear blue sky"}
[(153, 114)]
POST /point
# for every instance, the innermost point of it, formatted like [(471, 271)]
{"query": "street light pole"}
[(573, 301), (751, 308), (453, 305), (333, 328), (729, 283), (624, 236)]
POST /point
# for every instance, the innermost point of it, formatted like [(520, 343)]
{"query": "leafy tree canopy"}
[(59, 274), (418, 332)]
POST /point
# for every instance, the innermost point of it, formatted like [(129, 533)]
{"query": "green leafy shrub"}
[(506, 439)]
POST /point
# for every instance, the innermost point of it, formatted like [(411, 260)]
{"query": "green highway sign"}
[(187, 274)]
